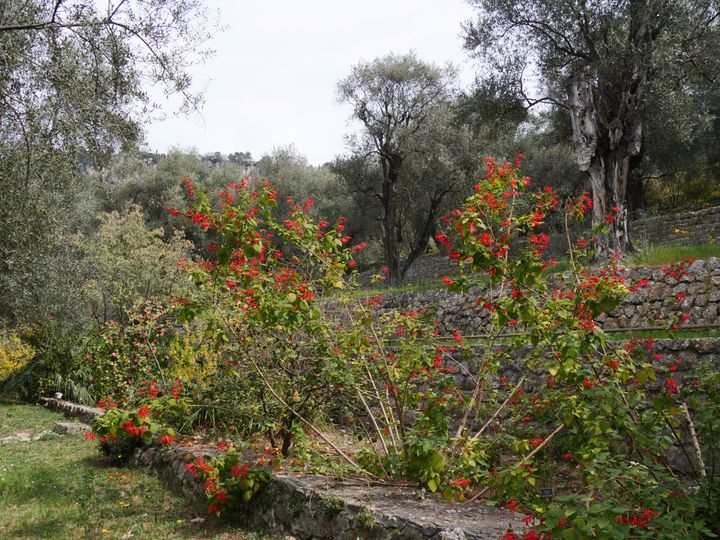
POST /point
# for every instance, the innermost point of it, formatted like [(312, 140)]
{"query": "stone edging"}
[(84, 413), (318, 508), (321, 508)]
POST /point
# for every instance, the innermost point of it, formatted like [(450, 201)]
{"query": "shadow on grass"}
[(61, 488)]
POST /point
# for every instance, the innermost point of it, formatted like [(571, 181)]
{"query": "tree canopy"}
[(74, 88), (610, 64), (396, 98)]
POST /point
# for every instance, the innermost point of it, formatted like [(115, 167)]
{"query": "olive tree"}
[(396, 98), (601, 59)]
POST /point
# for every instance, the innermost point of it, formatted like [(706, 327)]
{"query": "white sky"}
[(272, 81)]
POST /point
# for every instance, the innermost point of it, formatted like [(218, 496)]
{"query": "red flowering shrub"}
[(257, 296), (116, 359), (226, 481), (601, 425), (120, 431)]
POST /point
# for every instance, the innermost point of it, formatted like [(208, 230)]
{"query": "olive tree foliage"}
[(153, 182), (73, 75), (294, 177), (397, 98), (129, 263), (604, 61)]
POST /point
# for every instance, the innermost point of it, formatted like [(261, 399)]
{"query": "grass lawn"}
[(58, 487), (661, 255)]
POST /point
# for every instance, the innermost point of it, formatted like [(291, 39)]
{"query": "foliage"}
[(130, 264), (402, 104), (291, 174), (682, 193), (228, 482), (591, 421), (71, 89), (191, 357), (116, 360), (657, 255), (152, 181), (703, 398), (120, 431), (14, 353), (259, 304), (616, 69)]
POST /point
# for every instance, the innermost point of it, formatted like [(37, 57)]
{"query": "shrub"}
[(257, 299), (119, 357), (14, 353), (120, 431), (227, 481)]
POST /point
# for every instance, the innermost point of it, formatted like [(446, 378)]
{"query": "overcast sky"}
[(273, 79)]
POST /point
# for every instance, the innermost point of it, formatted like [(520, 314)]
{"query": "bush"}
[(14, 353), (116, 360), (257, 300)]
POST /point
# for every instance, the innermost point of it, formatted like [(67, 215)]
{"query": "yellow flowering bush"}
[(14, 353)]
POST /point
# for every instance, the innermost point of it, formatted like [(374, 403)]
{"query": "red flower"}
[(90, 436), (460, 482), (671, 386), (447, 281), (587, 384), (512, 505), (213, 509), (167, 439), (537, 441), (143, 412), (566, 457), (241, 470)]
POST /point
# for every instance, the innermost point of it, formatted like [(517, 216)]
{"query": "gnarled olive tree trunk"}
[(608, 130), (607, 133)]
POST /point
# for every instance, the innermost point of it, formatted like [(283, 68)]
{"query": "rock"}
[(454, 534), (23, 436), (70, 428), (87, 414)]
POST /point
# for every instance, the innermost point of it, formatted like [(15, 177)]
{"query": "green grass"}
[(58, 487), (661, 255), (15, 418), (663, 334)]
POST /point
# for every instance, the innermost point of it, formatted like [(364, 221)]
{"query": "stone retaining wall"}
[(319, 507), (653, 305), (313, 507), (698, 227)]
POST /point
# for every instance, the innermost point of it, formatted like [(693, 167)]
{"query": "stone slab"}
[(310, 507)]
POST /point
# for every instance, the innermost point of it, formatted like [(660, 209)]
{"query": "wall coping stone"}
[(319, 507)]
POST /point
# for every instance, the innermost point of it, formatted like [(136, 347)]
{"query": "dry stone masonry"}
[(657, 304), (699, 227)]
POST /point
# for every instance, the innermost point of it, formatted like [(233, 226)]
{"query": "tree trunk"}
[(391, 218), (608, 129), (607, 133)]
